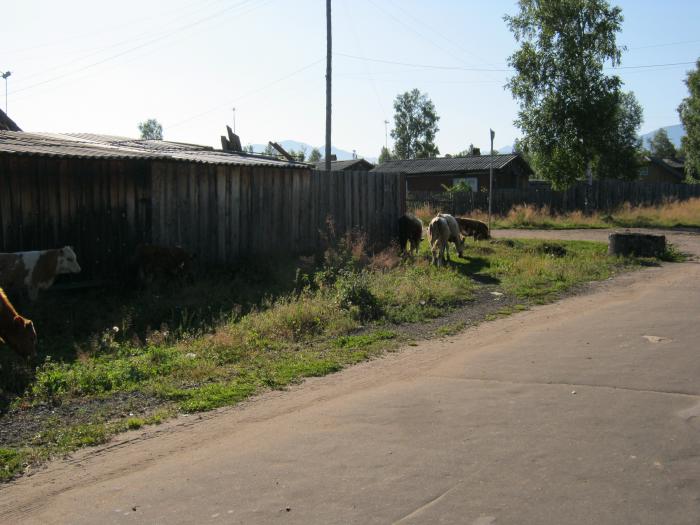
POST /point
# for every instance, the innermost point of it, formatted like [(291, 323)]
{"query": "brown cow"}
[(477, 229), (162, 265), (34, 271), (16, 331)]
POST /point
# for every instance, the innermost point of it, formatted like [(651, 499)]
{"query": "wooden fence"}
[(105, 207), (606, 195)]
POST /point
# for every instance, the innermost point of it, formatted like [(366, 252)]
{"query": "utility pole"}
[(493, 134), (386, 135), (234, 120), (329, 55), (5, 75)]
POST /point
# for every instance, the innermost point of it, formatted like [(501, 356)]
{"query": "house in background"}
[(656, 169), (510, 171), (346, 165), (6, 123)]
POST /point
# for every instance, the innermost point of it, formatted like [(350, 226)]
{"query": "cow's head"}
[(67, 261), (22, 338)]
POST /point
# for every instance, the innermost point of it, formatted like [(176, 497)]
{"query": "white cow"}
[(455, 236), (439, 235), (34, 271)]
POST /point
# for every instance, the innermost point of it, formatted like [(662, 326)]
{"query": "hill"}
[(675, 133), (296, 146)]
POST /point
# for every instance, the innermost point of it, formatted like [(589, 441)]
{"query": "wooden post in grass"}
[(493, 134)]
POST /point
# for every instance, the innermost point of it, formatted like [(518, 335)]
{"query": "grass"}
[(672, 214), (235, 340)]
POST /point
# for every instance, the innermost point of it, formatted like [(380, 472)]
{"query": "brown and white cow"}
[(33, 271), (16, 331)]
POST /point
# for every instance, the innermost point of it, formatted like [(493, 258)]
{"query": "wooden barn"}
[(104, 195)]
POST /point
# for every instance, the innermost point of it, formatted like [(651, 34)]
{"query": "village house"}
[(656, 169), (510, 171)]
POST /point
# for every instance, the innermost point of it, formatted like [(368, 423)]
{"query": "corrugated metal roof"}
[(90, 146), (340, 165), (443, 165)]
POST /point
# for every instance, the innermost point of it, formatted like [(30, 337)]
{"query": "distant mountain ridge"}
[(675, 133), (295, 145)]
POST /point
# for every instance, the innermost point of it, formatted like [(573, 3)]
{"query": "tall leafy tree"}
[(572, 115), (661, 146), (689, 111), (315, 155), (151, 129), (415, 126), (385, 155)]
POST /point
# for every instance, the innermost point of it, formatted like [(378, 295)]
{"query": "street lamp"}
[(5, 75)]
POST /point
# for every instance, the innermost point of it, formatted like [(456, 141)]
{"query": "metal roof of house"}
[(443, 164), (672, 166), (90, 146), (340, 165)]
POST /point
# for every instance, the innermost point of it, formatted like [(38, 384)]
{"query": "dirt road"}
[(586, 411)]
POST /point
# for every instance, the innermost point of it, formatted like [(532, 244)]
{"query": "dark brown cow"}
[(473, 227), (16, 331), (162, 265), (410, 230)]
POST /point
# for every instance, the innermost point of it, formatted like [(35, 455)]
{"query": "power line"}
[(99, 50), (178, 11), (248, 94), (423, 66), (476, 69), (135, 48), (665, 44)]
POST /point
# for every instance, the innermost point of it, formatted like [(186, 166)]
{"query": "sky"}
[(91, 66)]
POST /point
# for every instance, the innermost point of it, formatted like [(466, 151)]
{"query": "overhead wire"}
[(503, 70), (99, 50), (373, 85), (248, 94), (178, 11), (132, 49)]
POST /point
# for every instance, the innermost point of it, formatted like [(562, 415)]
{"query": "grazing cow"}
[(16, 331), (410, 230), (439, 234), (34, 271), (455, 236), (162, 264), (473, 227)]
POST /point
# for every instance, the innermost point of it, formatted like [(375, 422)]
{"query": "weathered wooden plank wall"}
[(234, 211), (104, 208), (101, 207), (604, 195)]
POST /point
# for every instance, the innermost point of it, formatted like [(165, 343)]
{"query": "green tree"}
[(571, 113), (415, 126), (299, 155), (151, 129), (385, 155), (315, 156), (661, 146), (689, 111)]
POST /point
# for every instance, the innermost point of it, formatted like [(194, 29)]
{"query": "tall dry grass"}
[(670, 214)]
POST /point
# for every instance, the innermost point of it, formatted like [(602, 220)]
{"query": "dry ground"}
[(582, 411)]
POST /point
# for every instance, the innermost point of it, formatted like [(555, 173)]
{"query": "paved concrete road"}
[(582, 412)]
